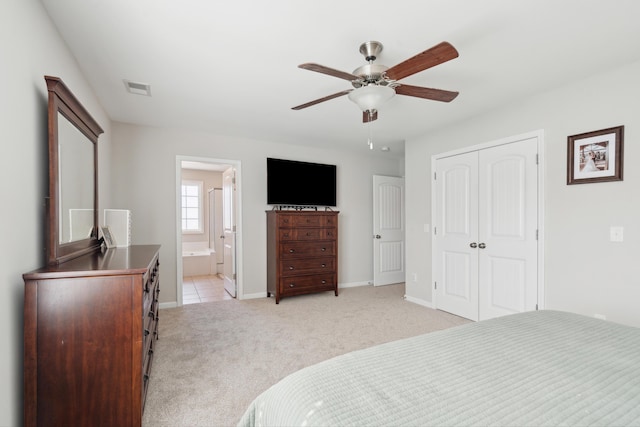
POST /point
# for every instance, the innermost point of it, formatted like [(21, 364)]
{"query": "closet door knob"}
[(482, 246), (474, 245)]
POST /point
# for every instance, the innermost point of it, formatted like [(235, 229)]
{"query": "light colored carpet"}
[(213, 359)]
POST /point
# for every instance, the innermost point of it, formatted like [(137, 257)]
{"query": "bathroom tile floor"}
[(196, 289)]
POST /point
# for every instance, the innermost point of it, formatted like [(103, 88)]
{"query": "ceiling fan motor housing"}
[(371, 50), (370, 73)]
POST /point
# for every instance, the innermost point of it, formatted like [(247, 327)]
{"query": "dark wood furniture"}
[(302, 252), (90, 326), (73, 177)]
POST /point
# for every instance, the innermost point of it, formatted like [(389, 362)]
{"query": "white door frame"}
[(239, 269), (539, 134)]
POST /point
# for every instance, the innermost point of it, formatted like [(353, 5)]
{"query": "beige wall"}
[(584, 271), (31, 48), (144, 168)]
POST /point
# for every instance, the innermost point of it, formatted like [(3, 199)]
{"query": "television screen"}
[(296, 183)]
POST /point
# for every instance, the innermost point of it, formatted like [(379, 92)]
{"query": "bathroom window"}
[(192, 207)]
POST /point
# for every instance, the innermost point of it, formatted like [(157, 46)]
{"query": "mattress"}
[(541, 368)]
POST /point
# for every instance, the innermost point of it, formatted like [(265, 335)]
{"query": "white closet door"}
[(507, 233), (456, 261), (485, 245)]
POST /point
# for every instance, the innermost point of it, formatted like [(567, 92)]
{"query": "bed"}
[(530, 369)]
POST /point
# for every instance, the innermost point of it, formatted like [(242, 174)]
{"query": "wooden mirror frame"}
[(62, 101)]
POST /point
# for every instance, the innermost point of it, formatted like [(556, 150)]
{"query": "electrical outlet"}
[(616, 233), (415, 277)]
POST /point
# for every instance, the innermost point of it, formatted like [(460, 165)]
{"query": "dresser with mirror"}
[(91, 313)]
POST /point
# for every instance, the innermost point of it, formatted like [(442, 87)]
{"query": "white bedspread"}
[(543, 368)]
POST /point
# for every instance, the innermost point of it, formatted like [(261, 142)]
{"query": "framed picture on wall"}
[(595, 156)]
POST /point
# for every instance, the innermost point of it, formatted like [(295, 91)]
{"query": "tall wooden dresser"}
[(302, 252), (90, 326)]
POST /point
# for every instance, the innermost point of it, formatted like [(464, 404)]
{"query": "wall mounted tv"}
[(293, 183)]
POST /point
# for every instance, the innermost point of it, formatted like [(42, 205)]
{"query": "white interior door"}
[(486, 248), (216, 236), (508, 221), (456, 255), (388, 230), (229, 230)]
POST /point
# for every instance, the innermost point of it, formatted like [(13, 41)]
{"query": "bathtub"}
[(197, 259)]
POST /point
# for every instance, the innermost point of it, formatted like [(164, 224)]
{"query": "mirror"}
[(72, 214)]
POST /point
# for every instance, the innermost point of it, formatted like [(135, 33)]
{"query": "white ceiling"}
[(230, 67)]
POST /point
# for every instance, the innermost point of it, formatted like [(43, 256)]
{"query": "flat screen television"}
[(294, 183)]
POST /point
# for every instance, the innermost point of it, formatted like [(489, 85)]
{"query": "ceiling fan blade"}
[(366, 117), (326, 70), (317, 101), (438, 54), (426, 92)]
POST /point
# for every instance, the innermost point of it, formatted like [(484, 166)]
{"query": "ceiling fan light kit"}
[(375, 84), (371, 96)]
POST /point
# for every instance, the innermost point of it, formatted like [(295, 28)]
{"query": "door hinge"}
[(234, 276), (536, 307), (435, 230), (537, 159), (536, 234), (435, 176), (435, 285)]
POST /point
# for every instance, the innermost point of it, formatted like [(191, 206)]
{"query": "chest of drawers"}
[(90, 326), (302, 252)]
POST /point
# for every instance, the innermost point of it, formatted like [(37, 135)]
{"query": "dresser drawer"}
[(295, 267), (296, 249), (319, 282), (307, 220), (307, 233)]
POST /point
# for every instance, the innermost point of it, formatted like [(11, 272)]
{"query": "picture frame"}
[(595, 156), (107, 237)]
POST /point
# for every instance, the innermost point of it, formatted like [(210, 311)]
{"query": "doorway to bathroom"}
[(207, 230)]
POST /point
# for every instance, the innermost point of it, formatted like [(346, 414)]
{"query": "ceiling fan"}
[(376, 83)]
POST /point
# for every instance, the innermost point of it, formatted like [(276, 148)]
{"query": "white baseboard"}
[(171, 304), (353, 284), (254, 296), (174, 304), (418, 301)]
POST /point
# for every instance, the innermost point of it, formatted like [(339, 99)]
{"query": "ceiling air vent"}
[(138, 88)]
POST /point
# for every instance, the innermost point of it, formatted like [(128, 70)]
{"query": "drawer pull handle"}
[(308, 234), (286, 234), (291, 285), (291, 267), (323, 249), (291, 251), (324, 265), (324, 282)]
